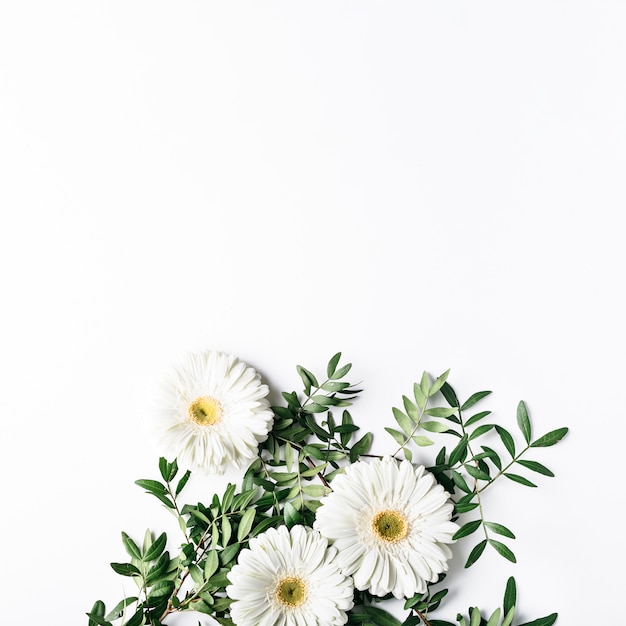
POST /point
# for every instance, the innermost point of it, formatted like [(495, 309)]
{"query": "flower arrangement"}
[(320, 531)]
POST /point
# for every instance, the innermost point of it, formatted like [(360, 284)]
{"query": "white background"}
[(422, 186)]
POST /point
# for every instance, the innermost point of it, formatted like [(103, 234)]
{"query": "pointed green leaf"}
[(156, 548), (332, 364), (519, 479), (523, 421), (507, 440), (536, 467), (476, 553), (543, 621), (131, 547), (467, 529), (510, 595), (500, 529), (247, 519), (438, 384), (473, 399), (503, 550), (550, 438)]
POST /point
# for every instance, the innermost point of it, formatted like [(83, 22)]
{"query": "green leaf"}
[(332, 364), (131, 547), (403, 420), (381, 617), (97, 610), (411, 409), (474, 472), (476, 418), (161, 589), (473, 399), (449, 395), (440, 412), (510, 595), (500, 529), (519, 479), (425, 384), (227, 531), (476, 553), (507, 440), (125, 569), (434, 427), (342, 371), (211, 564), (458, 454), (308, 379), (420, 398), (467, 529), (247, 519), (502, 550), (536, 467), (151, 486), (315, 491), (291, 515), (182, 482), (549, 439), (475, 617), (362, 446), (508, 619), (397, 435), (422, 441), (543, 621), (438, 384), (481, 430), (156, 548), (495, 618), (523, 421)]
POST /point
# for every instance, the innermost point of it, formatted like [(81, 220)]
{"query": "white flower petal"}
[(243, 421), (416, 513), (280, 554)]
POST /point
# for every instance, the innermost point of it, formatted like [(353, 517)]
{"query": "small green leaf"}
[(523, 421), (125, 569), (227, 531), (476, 553), (550, 438), (152, 486), (475, 472), (332, 364), (495, 618), (507, 440), (500, 529), (183, 481), (543, 621), (441, 412), (467, 529), (536, 467), (247, 519), (449, 395), (502, 550), (434, 427), (510, 595), (131, 547), (211, 564), (519, 479), (473, 399), (291, 515), (422, 441), (438, 384), (156, 548), (403, 420)]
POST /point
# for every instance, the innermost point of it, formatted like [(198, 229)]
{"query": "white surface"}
[(419, 185)]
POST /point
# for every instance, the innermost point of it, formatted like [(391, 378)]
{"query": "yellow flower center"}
[(205, 411), (291, 591), (390, 525)]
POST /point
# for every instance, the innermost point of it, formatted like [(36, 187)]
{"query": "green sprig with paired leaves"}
[(306, 449)]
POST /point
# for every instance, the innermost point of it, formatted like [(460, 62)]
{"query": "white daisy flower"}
[(212, 412), (389, 522), (289, 578)]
